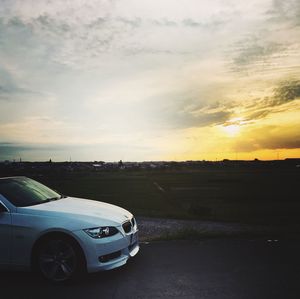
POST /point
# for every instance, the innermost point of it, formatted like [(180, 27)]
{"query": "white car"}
[(61, 236)]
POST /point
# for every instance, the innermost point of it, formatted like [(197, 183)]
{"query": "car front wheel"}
[(59, 259)]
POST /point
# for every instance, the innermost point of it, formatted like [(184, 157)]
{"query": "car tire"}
[(59, 259)]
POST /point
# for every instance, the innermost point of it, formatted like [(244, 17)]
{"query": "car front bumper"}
[(108, 253)]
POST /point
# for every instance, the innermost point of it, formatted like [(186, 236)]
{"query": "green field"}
[(243, 194)]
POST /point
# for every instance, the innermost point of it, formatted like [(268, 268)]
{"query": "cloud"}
[(164, 22), (15, 151), (75, 151), (287, 11), (269, 137), (57, 43), (213, 24), (187, 120), (256, 115), (254, 51), (37, 152), (192, 113), (123, 72), (210, 25), (285, 142), (287, 91), (284, 93), (189, 110), (135, 22), (10, 88), (270, 45)]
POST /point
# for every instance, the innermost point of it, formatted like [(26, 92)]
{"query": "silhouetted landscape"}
[(256, 191)]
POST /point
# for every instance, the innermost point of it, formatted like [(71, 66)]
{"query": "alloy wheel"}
[(57, 260)]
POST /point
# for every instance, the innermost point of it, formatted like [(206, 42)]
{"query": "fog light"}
[(108, 257)]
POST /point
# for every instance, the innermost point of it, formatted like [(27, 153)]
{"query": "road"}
[(216, 268)]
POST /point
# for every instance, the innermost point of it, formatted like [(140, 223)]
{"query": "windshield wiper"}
[(56, 198), (51, 199)]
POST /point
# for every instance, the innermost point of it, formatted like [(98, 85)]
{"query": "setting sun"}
[(231, 130), (206, 83)]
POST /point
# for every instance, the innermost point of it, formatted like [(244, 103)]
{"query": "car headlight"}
[(101, 232)]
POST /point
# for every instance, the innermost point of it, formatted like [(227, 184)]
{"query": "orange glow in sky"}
[(149, 80)]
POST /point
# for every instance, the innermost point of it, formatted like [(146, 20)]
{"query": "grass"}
[(242, 194)]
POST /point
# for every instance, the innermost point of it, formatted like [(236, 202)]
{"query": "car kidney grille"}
[(127, 226)]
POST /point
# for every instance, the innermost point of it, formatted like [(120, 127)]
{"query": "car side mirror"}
[(2, 208)]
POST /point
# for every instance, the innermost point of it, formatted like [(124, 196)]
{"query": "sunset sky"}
[(149, 79)]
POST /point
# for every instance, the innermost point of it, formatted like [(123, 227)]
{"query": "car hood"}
[(89, 212)]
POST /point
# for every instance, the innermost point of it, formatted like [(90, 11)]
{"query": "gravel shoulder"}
[(166, 229)]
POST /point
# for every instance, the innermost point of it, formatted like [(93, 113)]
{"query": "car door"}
[(5, 235)]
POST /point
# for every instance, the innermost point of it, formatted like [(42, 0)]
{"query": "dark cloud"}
[(292, 142), (269, 137), (53, 43), (187, 120), (162, 22), (14, 30), (78, 152), (29, 43), (178, 117), (10, 151), (285, 11), (287, 91), (253, 51), (221, 112), (262, 113), (34, 152), (267, 48), (47, 23), (11, 146)]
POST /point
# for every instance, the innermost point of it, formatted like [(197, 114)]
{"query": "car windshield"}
[(23, 192)]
